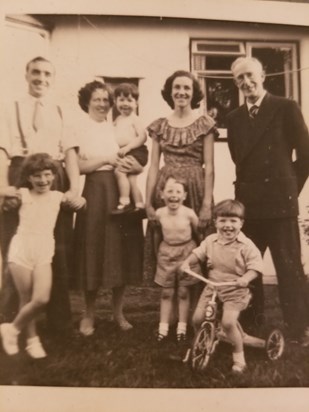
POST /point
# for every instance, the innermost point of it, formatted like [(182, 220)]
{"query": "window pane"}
[(217, 48), (276, 60), (219, 62), (113, 82), (221, 98)]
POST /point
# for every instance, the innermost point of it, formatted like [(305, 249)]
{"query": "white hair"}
[(246, 59)]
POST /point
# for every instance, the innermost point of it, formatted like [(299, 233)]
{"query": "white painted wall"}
[(151, 49)]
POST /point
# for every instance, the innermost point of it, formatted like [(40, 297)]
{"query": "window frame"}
[(197, 66)]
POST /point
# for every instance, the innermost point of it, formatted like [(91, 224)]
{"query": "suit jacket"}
[(268, 180)]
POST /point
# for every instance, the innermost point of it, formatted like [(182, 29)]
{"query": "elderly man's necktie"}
[(38, 120), (253, 111)]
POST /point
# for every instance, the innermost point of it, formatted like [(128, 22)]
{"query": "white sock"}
[(139, 205), (33, 339), (239, 357), (124, 200), (163, 329), (181, 328)]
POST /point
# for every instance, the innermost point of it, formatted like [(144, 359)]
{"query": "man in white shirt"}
[(34, 124)]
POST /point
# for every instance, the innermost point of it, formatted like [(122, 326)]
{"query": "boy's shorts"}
[(169, 260), (140, 154), (231, 297), (138, 157), (31, 251)]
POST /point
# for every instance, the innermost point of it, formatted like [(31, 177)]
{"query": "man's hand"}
[(12, 199), (10, 203)]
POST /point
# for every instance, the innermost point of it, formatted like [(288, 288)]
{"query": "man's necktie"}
[(38, 120), (253, 111)]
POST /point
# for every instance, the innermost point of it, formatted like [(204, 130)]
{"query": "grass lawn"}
[(111, 358)]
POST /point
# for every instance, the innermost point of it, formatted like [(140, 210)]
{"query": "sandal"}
[(160, 338), (122, 209), (181, 337)]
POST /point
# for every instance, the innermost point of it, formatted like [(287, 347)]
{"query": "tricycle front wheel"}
[(275, 344), (203, 346)]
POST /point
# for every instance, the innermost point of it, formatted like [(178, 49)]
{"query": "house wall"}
[(151, 49)]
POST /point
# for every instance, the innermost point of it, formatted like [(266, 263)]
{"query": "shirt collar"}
[(258, 102), (239, 238), (44, 100)]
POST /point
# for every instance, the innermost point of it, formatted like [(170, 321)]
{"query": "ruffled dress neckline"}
[(181, 136)]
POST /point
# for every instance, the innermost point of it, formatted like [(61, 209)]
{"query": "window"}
[(211, 61), (113, 82)]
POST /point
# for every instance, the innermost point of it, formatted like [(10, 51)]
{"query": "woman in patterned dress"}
[(186, 140)]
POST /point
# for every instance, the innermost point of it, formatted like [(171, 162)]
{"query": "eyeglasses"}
[(242, 78)]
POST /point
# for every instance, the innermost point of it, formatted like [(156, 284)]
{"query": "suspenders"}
[(21, 133), (23, 141)]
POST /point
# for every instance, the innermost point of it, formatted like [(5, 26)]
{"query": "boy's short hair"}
[(126, 89), (229, 207), (177, 180), (36, 163)]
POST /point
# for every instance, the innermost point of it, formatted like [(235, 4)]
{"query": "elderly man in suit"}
[(263, 134), (34, 124)]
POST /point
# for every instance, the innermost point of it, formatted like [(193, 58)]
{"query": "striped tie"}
[(253, 111)]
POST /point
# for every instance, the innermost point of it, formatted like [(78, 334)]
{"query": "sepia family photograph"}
[(154, 205)]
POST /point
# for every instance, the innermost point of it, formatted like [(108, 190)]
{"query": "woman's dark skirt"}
[(108, 249)]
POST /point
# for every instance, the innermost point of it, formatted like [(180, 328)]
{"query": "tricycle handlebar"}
[(210, 282)]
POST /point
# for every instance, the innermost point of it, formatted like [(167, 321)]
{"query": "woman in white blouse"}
[(108, 250)]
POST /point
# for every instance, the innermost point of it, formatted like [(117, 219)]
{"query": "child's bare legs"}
[(86, 327), (124, 189), (229, 324), (118, 301), (166, 307), (136, 193), (33, 288), (23, 283), (183, 294)]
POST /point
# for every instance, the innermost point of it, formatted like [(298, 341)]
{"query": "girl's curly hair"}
[(36, 163)]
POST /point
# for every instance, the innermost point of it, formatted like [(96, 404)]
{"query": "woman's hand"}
[(112, 160), (74, 202), (69, 196), (205, 217), (127, 165), (151, 213)]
